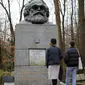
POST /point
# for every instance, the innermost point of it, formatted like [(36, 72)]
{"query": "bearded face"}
[(37, 14)]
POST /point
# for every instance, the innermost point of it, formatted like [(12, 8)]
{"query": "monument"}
[(36, 12), (32, 37)]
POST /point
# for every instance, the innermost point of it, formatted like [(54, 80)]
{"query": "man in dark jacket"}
[(71, 60), (53, 58)]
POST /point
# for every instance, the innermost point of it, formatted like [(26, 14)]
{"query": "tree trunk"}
[(11, 26), (8, 12), (61, 43), (63, 32), (82, 30), (58, 21), (63, 25), (72, 32), (21, 10), (0, 53)]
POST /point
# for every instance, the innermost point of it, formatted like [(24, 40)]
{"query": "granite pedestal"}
[(32, 36)]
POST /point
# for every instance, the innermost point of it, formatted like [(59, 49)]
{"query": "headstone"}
[(8, 80), (80, 77)]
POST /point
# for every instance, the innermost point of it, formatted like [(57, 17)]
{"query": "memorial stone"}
[(32, 39)]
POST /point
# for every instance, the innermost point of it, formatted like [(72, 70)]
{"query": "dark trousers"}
[(60, 73), (54, 81)]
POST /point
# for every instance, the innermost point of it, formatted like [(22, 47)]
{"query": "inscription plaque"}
[(37, 56)]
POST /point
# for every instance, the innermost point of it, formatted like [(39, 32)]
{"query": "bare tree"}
[(58, 21), (62, 11), (0, 54), (0, 48), (82, 29), (8, 12), (72, 32), (23, 4), (21, 8)]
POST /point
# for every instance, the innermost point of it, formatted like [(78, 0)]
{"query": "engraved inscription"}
[(37, 57)]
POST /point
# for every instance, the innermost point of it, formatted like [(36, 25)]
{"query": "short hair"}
[(53, 41), (72, 43)]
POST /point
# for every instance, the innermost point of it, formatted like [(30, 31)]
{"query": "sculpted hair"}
[(28, 6)]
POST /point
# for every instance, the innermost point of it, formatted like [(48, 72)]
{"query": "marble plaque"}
[(37, 57)]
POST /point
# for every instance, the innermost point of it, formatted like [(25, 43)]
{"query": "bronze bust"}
[(36, 12)]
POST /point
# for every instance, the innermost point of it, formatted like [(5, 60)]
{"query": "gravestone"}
[(32, 39), (8, 80)]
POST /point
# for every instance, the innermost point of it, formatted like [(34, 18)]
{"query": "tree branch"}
[(9, 18), (22, 10), (4, 8)]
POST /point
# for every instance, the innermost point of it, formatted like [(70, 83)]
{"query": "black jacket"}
[(53, 56), (71, 58)]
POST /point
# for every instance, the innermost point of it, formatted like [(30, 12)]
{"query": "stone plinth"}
[(32, 36)]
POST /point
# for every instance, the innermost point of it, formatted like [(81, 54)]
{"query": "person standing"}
[(53, 58), (71, 60)]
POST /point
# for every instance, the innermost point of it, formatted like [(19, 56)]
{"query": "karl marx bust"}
[(36, 12)]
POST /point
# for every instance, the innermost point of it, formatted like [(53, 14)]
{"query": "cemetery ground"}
[(80, 77)]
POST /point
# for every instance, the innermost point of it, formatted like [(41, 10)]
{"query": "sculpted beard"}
[(37, 18)]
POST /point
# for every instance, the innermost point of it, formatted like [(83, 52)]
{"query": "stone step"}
[(32, 75), (80, 77)]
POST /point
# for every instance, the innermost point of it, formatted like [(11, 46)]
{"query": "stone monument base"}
[(31, 75), (32, 36)]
